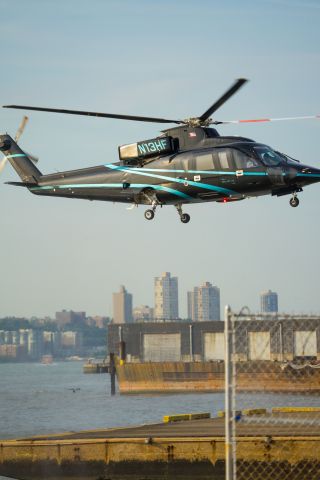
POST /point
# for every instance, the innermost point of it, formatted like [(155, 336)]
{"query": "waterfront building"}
[(285, 338), (204, 303), (166, 306), (269, 302), (52, 343), (122, 306)]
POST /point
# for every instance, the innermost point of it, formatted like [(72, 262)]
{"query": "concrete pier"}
[(193, 449)]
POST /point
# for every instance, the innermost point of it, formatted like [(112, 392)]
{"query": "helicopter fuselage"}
[(201, 167), (231, 171)]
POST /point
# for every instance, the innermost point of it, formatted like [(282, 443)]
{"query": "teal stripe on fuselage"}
[(14, 155), (306, 175), (205, 186), (210, 172), (112, 185)]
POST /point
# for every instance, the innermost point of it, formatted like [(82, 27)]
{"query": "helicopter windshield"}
[(288, 159), (269, 157)]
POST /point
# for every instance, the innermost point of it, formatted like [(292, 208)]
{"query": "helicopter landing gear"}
[(149, 214), (184, 217), (294, 201), (153, 201)]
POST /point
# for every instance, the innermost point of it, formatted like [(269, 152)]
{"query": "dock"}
[(96, 367), (274, 443)]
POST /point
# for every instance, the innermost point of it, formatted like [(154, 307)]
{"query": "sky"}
[(167, 59)]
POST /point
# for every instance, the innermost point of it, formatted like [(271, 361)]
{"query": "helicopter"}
[(187, 163)]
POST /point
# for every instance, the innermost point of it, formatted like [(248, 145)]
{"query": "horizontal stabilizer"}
[(20, 184)]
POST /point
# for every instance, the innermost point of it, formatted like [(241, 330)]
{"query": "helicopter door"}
[(203, 165), (249, 171), (181, 165), (226, 166)]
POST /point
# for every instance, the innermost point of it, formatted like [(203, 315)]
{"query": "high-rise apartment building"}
[(166, 305), (269, 302), (193, 304), (122, 306), (204, 303)]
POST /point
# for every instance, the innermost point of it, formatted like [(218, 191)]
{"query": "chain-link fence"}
[(272, 397)]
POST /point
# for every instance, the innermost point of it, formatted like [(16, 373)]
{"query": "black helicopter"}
[(190, 163)]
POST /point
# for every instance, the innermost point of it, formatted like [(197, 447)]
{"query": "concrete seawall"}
[(192, 449), (184, 377)]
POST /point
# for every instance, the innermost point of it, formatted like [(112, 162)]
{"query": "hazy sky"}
[(161, 58)]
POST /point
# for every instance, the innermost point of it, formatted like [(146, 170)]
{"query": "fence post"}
[(228, 392), (233, 394)]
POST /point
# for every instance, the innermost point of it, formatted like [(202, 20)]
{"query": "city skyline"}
[(125, 310)]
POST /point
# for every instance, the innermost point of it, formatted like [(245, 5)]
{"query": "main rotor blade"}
[(96, 114), (262, 120), (232, 90)]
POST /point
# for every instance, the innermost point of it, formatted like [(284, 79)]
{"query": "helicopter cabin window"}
[(243, 161), (224, 159), (204, 162), (180, 162)]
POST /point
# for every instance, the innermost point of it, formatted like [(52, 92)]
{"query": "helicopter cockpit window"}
[(268, 157), (243, 160)]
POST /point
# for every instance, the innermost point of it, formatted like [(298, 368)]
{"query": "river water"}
[(40, 399)]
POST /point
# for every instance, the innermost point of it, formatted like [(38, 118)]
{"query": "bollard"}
[(112, 371)]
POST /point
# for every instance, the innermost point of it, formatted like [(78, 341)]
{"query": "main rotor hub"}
[(197, 122)]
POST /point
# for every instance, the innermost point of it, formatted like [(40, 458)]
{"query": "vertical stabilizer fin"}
[(20, 160)]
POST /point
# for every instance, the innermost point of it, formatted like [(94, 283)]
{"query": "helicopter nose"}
[(309, 174)]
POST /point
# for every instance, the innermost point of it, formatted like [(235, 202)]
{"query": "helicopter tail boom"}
[(20, 160)]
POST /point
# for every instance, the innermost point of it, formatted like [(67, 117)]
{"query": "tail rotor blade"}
[(3, 164), (21, 128)]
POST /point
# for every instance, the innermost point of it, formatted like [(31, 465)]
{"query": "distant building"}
[(166, 306), (66, 317), (143, 313), (71, 341), (98, 321), (193, 304), (122, 306), (51, 343), (12, 352), (269, 302), (204, 303)]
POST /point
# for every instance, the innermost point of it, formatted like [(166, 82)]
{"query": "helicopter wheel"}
[(294, 201), (149, 214), (185, 218)]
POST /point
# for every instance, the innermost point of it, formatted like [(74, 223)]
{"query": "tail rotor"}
[(20, 131)]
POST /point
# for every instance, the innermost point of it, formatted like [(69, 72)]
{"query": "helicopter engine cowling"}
[(136, 152)]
